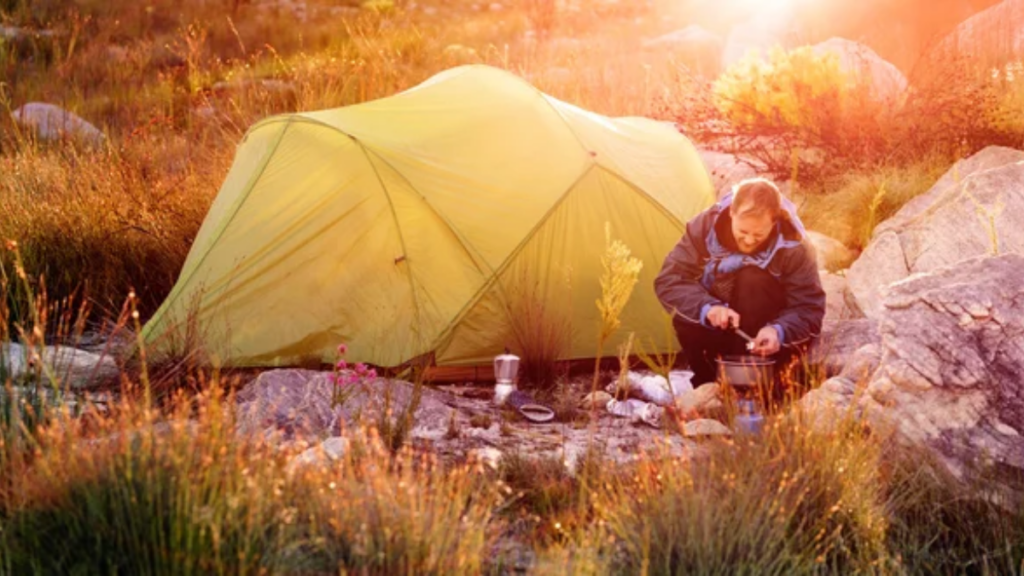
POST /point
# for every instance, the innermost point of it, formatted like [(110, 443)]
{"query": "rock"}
[(705, 401), (887, 83), (963, 217), (51, 123), (29, 42), (837, 307), (14, 34), (326, 454), (994, 35), (863, 363), (75, 368), (705, 427), (596, 400), (298, 402), (986, 159), (832, 254), (840, 340), (949, 376), (881, 264), (726, 170), (827, 406), (699, 48), (490, 457)]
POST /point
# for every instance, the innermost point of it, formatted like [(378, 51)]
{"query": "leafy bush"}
[(799, 110), (800, 116)]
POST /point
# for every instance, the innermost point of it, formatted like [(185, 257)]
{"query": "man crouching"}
[(743, 263)]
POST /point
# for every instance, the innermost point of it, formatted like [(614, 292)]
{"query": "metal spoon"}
[(745, 336)]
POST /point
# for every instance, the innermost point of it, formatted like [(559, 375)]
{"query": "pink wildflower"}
[(341, 365), (372, 374), (342, 349)]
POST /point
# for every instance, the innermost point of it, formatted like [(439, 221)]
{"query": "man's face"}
[(751, 230)]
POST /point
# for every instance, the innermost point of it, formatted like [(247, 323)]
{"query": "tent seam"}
[(508, 259), (540, 223), (173, 296), (472, 253), (394, 218)]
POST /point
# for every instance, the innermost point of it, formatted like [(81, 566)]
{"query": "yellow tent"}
[(444, 219)]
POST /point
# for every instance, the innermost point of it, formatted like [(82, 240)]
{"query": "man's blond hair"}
[(756, 197)]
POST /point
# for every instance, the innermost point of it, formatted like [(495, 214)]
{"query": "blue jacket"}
[(687, 281)]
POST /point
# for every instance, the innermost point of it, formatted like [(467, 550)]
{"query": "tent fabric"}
[(452, 218)]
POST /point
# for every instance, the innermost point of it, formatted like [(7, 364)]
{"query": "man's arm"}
[(805, 298), (678, 284)]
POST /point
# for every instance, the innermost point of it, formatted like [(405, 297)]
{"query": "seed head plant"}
[(619, 277)]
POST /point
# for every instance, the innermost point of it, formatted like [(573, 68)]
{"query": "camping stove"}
[(750, 377)]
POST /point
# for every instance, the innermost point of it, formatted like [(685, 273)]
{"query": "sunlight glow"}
[(769, 6)]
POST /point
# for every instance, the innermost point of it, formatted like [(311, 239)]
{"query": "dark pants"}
[(758, 298)]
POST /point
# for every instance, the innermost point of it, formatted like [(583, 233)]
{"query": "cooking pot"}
[(746, 370)]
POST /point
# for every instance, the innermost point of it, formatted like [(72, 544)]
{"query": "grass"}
[(134, 496), (163, 484), (849, 208), (139, 491)]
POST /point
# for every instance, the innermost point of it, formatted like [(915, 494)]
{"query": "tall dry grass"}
[(132, 492), (849, 207)]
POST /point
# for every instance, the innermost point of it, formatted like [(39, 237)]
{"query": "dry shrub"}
[(541, 329), (114, 220)]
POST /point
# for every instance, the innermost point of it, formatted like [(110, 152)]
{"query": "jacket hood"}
[(792, 228)]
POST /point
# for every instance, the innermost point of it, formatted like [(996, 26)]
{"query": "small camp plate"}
[(537, 413)]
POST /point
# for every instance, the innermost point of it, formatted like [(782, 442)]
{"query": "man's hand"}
[(722, 317), (766, 342)]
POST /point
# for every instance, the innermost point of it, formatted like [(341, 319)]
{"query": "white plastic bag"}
[(626, 407), (654, 388)]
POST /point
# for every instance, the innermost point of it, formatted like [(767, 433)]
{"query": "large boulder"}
[(832, 254), (886, 82), (50, 122), (697, 47), (867, 280), (298, 403), (951, 370), (962, 216), (835, 287), (987, 159), (840, 341), (992, 36)]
